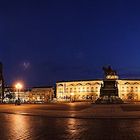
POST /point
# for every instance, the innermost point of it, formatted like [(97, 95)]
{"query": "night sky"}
[(42, 42)]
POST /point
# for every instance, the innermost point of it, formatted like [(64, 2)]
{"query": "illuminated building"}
[(78, 90), (128, 90), (11, 94), (33, 95), (41, 94)]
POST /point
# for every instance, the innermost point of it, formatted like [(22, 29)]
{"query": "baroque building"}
[(128, 90)]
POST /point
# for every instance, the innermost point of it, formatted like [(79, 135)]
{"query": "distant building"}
[(33, 95), (129, 90), (11, 94), (41, 94)]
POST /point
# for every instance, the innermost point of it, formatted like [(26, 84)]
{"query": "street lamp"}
[(18, 86)]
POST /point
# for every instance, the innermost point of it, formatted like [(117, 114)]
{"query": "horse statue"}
[(109, 71)]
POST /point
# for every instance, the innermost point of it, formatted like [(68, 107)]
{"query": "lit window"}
[(83, 89), (79, 89), (70, 89)]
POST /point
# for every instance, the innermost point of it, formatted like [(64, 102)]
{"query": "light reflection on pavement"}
[(18, 127), (29, 122)]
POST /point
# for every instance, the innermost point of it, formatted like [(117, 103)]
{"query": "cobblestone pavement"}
[(21, 127), (59, 122)]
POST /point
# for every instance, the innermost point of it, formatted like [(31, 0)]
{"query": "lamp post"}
[(18, 87)]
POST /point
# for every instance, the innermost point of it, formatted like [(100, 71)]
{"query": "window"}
[(87, 89), (96, 89), (83, 89), (79, 89), (71, 90), (136, 89), (66, 90), (83, 97), (60, 90)]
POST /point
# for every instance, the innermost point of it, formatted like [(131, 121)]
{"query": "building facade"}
[(11, 94), (33, 95), (41, 94), (78, 90), (129, 90)]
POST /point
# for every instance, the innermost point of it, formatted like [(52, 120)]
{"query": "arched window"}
[(88, 84), (79, 84), (127, 83), (60, 85)]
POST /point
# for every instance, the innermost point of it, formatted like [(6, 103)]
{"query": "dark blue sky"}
[(42, 42)]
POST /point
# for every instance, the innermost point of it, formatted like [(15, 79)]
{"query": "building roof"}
[(132, 79), (79, 80)]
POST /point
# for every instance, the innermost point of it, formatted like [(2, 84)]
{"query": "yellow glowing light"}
[(18, 86), (72, 94), (112, 77)]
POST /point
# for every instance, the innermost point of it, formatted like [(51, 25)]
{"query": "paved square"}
[(32, 122)]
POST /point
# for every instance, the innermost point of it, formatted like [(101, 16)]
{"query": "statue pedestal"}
[(109, 93)]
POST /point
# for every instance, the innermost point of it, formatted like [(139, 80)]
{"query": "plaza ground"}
[(72, 121), (74, 110)]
